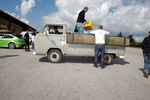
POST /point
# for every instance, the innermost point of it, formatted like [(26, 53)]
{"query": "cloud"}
[(18, 17), (17, 8), (127, 16), (139, 38), (24, 20), (26, 6)]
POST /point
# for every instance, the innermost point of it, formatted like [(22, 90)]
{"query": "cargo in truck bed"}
[(90, 39)]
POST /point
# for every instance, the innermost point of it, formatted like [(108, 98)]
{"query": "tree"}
[(120, 34), (132, 40)]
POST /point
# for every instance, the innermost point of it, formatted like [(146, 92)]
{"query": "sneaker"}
[(145, 73), (102, 67), (95, 65)]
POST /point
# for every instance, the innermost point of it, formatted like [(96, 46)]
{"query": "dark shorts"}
[(27, 42)]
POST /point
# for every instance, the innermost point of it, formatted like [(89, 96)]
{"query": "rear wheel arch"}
[(53, 49)]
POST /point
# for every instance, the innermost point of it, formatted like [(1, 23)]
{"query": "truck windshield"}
[(45, 30)]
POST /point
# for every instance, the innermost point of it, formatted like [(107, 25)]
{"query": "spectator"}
[(32, 39), (26, 38), (146, 54)]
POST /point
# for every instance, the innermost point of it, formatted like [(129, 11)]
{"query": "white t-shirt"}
[(32, 38), (99, 36)]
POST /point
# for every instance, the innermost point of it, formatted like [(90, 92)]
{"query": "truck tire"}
[(54, 56), (11, 45), (108, 59)]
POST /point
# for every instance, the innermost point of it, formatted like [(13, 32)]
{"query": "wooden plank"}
[(70, 38), (84, 39), (117, 41), (114, 40)]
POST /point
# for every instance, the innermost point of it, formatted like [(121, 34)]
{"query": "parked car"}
[(11, 41)]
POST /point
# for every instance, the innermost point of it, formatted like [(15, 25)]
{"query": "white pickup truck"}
[(58, 44)]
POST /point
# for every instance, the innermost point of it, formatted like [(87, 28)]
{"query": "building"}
[(8, 22)]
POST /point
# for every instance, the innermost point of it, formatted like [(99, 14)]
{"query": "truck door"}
[(56, 36)]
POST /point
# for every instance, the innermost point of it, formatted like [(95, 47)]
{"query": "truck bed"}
[(75, 38)]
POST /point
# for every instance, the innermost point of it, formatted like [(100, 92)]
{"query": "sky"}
[(126, 16)]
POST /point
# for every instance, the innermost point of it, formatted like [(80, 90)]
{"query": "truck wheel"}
[(11, 45), (108, 59), (54, 56)]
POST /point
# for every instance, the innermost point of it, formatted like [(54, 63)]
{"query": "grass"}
[(135, 47)]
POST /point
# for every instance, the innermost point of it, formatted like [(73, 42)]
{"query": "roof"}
[(4, 31), (55, 23), (14, 20)]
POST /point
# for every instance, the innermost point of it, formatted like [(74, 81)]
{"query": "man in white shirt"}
[(100, 44)]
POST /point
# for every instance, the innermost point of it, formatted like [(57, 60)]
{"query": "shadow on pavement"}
[(6, 56), (141, 69), (20, 48), (78, 60), (84, 60), (71, 60), (120, 61), (43, 59)]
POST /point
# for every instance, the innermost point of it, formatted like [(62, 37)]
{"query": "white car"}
[(30, 35)]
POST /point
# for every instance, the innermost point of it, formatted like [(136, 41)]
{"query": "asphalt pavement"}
[(24, 76)]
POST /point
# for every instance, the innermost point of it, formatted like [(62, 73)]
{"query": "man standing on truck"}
[(146, 54), (81, 20), (100, 44)]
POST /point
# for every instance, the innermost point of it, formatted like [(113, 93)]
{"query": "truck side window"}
[(58, 30), (45, 30)]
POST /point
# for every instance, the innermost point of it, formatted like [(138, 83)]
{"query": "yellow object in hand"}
[(89, 26)]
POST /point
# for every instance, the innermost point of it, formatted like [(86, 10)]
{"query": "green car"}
[(11, 41)]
